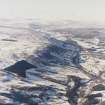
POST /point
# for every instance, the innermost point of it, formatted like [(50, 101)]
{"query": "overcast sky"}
[(54, 9)]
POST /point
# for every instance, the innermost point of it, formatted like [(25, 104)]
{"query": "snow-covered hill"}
[(41, 65)]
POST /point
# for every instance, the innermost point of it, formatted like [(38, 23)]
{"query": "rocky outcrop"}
[(48, 65)]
